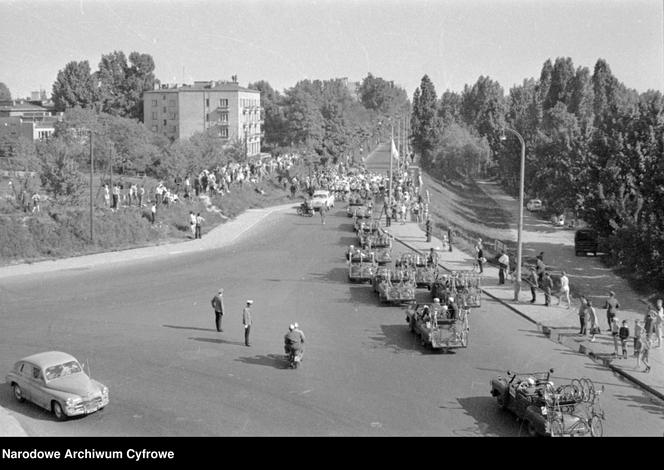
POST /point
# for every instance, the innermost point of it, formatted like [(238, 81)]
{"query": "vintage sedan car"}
[(56, 381), (322, 197)]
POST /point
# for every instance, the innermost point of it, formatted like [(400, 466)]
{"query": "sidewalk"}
[(220, 236), (558, 323)]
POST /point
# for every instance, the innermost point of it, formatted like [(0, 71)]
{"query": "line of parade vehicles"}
[(444, 324)]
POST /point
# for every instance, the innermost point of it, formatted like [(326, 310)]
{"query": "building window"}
[(164, 122), (163, 97), (172, 115), (154, 102), (207, 102), (154, 128), (164, 109), (223, 102), (223, 132), (175, 128), (171, 103), (207, 118), (224, 117), (154, 115)]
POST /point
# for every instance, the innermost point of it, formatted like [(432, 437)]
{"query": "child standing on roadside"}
[(623, 334), (615, 331)]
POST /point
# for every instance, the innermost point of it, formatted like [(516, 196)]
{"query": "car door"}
[(38, 394), (23, 373)]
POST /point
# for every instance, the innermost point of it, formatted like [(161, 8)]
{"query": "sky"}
[(454, 42)]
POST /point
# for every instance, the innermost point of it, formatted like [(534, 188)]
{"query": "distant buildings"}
[(231, 111), (33, 119)]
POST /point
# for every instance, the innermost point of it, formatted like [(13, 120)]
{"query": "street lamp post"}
[(517, 289)]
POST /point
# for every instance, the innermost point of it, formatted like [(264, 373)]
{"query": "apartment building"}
[(231, 111)]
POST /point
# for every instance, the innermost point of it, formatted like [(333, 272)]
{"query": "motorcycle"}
[(293, 356), (305, 210)]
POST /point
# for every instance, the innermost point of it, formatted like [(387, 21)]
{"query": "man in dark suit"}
[(218, 306)]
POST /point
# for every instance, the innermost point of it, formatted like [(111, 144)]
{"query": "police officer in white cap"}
[(246, 321)]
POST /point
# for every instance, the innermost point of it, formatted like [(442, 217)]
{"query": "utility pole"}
[(92, 225)]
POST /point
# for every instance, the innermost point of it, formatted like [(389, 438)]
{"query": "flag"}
[(394, 151)]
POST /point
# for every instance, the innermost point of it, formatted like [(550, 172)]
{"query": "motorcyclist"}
[(293, 341)]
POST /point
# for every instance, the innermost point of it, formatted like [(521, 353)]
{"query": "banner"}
[(395, 152)]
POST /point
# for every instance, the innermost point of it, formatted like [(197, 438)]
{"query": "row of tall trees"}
[(116, 87), (593, 148), (329, 117)]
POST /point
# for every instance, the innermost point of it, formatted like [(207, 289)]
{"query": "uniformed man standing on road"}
[(246, 321), (218, 306)]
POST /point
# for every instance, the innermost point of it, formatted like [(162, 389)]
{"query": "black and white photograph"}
[(328, 218)]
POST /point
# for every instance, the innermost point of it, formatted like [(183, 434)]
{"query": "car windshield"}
[(63, 370)]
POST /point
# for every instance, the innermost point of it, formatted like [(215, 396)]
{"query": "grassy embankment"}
[(60, 232)]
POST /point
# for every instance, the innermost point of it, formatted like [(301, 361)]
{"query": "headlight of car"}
[(73, 401), (104, 391)]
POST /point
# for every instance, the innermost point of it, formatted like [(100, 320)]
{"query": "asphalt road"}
[(147, 331)]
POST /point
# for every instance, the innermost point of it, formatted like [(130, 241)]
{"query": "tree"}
[(460, 152), (483, 107), (140, 78), (5, 94), (112, 76), (561, 86), (303, 115), (449, 108), (75, 86), (383, 97), (425, 123), (272, 114), (59, 172)]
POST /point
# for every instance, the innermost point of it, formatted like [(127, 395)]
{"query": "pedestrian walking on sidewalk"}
[(503, 266), (564, 289), (532, 280), (246, 321), (218, 306), (623, 334), (428, 229), (611, 306), (593, 321), (615, 331), (583, 316), (547, 285), (153, 212)]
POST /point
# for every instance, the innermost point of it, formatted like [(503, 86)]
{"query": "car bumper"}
[(86, 407)]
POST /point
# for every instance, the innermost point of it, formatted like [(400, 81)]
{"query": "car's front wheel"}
[(58, 411), (18, 393)]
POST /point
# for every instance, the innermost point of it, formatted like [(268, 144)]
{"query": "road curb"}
[(550, 332)]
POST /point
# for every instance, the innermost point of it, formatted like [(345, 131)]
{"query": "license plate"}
[(91, 408)]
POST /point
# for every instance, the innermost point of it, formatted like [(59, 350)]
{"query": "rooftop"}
[(200, 86)]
